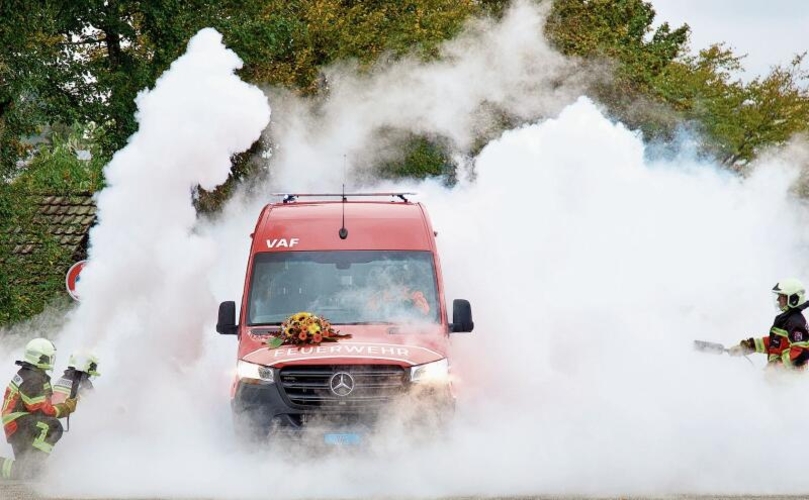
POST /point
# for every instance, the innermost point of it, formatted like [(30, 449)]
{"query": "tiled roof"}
[(68, 218), (63, 220)]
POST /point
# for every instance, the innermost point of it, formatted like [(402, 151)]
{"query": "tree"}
[(619, 35), (287, 43), (738, 119), (29, 47), (85, 61), (656, 86), (69, 160), (775, 108), (71, 71), (616, 29)]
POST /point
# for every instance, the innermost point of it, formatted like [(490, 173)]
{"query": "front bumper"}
[(300, 398)]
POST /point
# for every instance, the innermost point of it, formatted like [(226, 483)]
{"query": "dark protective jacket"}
[(28, 393), (63, 386), (788, 341)]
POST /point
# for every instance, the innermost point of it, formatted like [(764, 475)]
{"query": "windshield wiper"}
[(365, 323)]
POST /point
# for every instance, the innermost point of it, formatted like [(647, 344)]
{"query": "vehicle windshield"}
[(345, 287)]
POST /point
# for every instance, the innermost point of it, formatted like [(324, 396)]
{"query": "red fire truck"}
[(368, 263)]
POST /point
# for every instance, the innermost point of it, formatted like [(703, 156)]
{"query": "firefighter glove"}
[(746, 346), (736, 350), (68, 407)]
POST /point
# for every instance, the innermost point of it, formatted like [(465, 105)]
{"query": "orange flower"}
[(303, 336), (317, 338)]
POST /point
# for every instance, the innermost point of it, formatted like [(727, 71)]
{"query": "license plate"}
[(343, 438)]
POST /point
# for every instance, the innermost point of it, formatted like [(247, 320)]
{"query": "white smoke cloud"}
[(143, 251), (607, 265), (145, 292), (591, 268), (504, 67)]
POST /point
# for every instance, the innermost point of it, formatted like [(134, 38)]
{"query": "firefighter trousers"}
[(32, 444)]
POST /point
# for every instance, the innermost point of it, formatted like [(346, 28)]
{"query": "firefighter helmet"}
[(84, 362), (40, 353), (793, 290)]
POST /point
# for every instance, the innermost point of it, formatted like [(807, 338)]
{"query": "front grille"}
[(373, 386)]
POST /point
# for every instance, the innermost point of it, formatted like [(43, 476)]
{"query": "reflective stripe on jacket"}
[(788, 341), (28, 392)]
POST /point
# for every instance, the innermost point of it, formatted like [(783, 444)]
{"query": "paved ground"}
[(21, 491), (10, 490)]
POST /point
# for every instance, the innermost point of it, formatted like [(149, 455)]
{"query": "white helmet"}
[(793, 290), (40, 353), (84, 362)]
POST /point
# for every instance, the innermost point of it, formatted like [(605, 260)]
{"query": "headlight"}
[(256, 373), (435, 372)]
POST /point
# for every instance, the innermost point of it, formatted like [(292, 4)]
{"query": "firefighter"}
[(30, 419), (394, 291), (81, 367), (787, 345)]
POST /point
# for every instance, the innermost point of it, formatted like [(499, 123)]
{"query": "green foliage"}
[(739, 119), (27, 47), (774, 109), (287, 43), (616, 29), (494, 8), (32, 259), (620, 34), (248, 166), (420, 158), (656, 87), (84, 61), (27, 282), (69, 161)]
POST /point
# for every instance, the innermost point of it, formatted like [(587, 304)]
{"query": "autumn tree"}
[(620, 35), (657, 87), (70, 72)]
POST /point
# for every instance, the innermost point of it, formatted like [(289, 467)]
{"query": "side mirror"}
[(461, 316), (226, 325)]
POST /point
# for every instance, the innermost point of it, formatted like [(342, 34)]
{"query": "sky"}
[(770, 33), (591, 265)]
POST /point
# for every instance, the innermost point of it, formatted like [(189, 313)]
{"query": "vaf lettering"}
[(282, 243)]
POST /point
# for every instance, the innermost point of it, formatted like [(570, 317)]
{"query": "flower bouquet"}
[(303, 329)]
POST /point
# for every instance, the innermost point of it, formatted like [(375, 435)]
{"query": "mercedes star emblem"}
[(341, 384)]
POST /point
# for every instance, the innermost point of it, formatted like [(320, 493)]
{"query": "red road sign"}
[(73, 277)]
